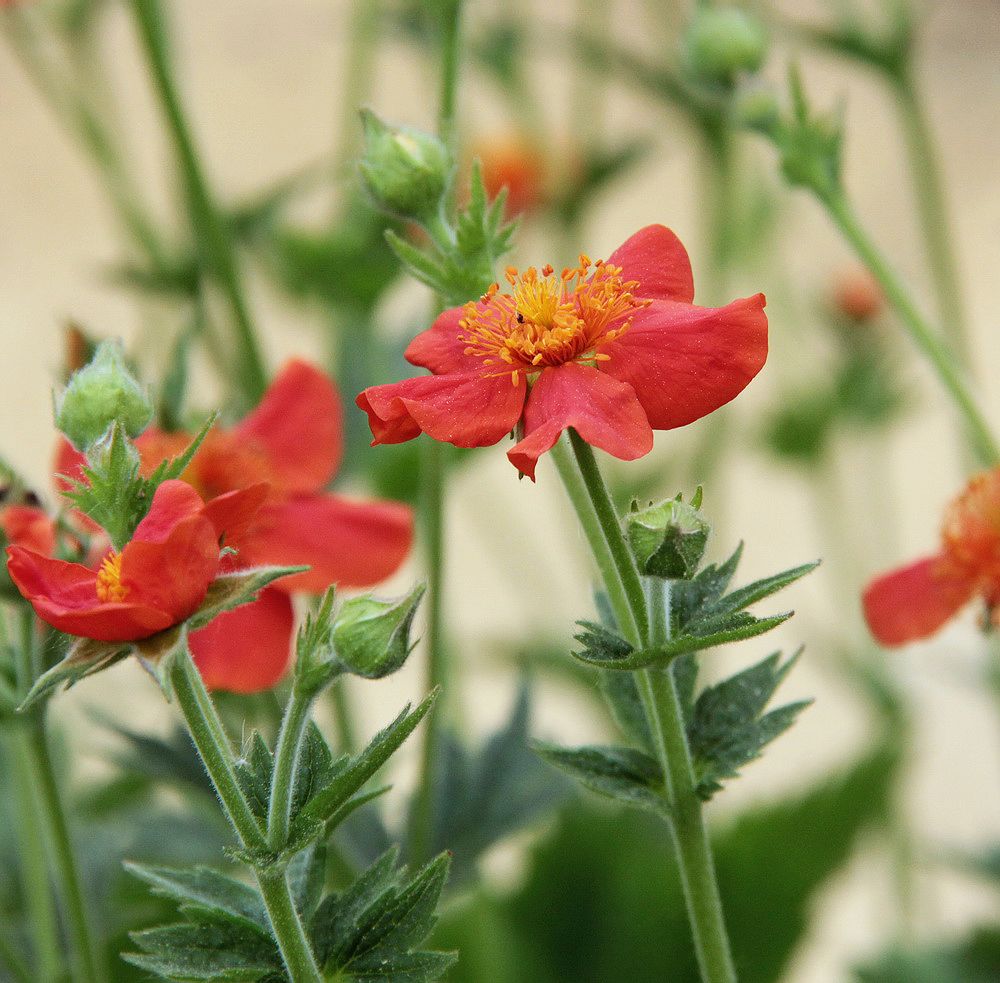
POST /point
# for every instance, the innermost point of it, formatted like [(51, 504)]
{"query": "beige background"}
[(263, 82)]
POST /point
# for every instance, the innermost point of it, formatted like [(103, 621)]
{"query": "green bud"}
[(755, 107), (406, 171), (100, 394), (372, 636), (720, 43), (668, 539)]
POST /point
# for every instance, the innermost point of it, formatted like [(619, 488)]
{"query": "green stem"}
[(929, 188), (39, 901), (347, 735), (660, 701), (286, 760), (209, 225), (52, 816), (11, 958), (216, 754), (924, 337), (362, 43), (432, 471)]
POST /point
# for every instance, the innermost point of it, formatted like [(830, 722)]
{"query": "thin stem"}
[(286, 760), (663, 710), (432, 475), (213, 235), (930, 195), (347, 735), (924, 337), (216, 753), (39, 900), (52, 816), (362, 45)]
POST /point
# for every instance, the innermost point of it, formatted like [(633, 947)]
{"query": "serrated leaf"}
[(231, 590), (306, 878), (419, 265), (743, 597), (349, 779), (316, 767), (727, 728), (254, 770), (413, 967), (618, 772), (208, 889), (85, 657), (209, 949)]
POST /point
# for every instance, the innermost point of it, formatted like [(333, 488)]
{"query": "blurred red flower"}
[(915, 601), (613, 349), (514, 163), (292, 443), (28, 526), (157, 580)]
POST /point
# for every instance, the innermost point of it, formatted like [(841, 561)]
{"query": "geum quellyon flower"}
[(158, 580), (915, 601), (292, 444), (613, 349)]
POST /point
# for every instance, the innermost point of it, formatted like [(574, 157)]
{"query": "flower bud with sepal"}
[(407, 172), (371, 636), (722, 43), (668, 539), (102, 393)]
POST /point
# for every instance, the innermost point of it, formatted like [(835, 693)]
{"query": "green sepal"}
[(232, 590), (727, 727), (622, 773)]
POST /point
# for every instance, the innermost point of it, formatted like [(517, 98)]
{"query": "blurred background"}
[(843, 448)]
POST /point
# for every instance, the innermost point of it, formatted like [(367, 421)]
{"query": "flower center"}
[(972, 529), (547, 320), (109, 579)]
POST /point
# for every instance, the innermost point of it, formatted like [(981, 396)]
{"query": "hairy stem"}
[(286, 760)]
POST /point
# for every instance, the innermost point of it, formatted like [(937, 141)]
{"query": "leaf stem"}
[(286, 760), (647, 624), (216, 754), (924, 337), (209, 225)]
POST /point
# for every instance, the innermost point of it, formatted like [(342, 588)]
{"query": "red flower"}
[(28, 526), (613, 349), (916, 600), (159, 579), (514, 163), (292, 444)]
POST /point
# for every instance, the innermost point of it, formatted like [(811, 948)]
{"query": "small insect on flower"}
[(915, 601), (614, 349)]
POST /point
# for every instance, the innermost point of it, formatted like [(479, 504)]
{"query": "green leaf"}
[(208, 890), (618, 772), (370, 930), (352, 774), (254, 771), (231, 590), (973, 959), (481, 795), (728, 728)]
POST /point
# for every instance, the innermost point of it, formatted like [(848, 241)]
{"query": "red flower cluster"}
[(915, 601), (290, 447), (158, 579), (614, 349)]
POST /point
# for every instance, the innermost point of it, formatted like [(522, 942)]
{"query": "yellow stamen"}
[(109, 579), (547, 320)]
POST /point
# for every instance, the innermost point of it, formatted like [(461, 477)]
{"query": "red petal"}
[(603, 411), (684, 362), (439, 348), (234, 513), (173, 502), (354, 544), (25, 525), (656, 258), (247, 649), (465, 410), (64, 595), (914, 601), (69, 461), (299, 424)]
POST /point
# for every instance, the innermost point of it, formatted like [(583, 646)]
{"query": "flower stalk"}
[(216, 754), (647, 623)]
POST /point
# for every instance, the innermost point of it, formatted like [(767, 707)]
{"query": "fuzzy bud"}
[(668, 539), (372, 636), (100, 394), (406, 171), (721, 43)]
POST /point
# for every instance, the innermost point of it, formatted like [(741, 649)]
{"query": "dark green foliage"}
[(618, 772), (727, 727), (482, 795), (702, 616), (974, 959), (370, 930), (603, 900)]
